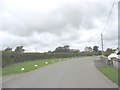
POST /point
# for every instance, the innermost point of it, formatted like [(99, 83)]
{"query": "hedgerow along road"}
[(76, 73)]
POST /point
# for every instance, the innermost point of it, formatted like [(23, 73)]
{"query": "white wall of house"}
[(88, 49)]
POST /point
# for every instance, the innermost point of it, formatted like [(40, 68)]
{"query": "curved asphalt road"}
[(76, 73)]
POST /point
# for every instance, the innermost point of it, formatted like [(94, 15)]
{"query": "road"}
[(76, 73)]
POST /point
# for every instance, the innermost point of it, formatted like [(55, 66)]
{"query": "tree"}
[(66, 48), (95, 48), (59, 49), (8, 49), (62, 49), (19, 49), (49, 51), (108, 51)]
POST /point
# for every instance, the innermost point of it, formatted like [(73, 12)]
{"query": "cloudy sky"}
[(47, 24)]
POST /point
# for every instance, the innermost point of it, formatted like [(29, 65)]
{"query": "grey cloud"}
[(78, 16), (64, 25)]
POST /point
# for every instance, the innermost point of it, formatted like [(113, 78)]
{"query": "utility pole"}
[(36, 50), (102, 43)]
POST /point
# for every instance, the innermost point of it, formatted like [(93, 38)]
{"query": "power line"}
[(108, 17), (105, 27)]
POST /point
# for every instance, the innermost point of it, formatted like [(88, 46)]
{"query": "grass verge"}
[(110, 72), (28, 66), (0, 71)]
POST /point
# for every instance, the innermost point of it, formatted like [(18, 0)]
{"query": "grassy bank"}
[(29, 66), (110, 72), (0, 71)]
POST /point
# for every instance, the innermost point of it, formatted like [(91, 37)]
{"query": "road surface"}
[(76, 73)]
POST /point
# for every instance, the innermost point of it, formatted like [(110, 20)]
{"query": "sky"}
[(43, 25)]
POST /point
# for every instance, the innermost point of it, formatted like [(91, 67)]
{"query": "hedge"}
[(9, 58)]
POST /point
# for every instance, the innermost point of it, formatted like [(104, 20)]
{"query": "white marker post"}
[(22, 69), (35, 65), (46, 62)]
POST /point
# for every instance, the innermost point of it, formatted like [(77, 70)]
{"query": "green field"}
[(28, 66), (110, 72)]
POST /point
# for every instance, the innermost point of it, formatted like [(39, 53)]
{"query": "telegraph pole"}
[(102, 43), (36, 50), (105, 26)]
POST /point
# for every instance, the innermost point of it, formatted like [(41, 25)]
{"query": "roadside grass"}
[(28, 66), (110, 72), (0, 71)]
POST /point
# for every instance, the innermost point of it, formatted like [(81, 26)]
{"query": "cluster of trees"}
[(109, 51), (11, 57), (65, 48), (95, 49), (19, 49)]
